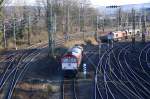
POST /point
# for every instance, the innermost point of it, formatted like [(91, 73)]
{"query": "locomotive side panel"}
[(119, 35)]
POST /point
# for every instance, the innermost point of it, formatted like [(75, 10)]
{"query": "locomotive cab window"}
[(138, 32), (116, 35), (73, 60), (69, 60), (65, 60)]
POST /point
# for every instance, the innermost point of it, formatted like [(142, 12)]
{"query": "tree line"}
[(67, 16)]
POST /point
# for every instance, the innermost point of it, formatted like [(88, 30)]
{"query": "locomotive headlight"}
[(75, 67), (63, 67)]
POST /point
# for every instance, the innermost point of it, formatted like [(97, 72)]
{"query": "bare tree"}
[(39, 8), (1, 1)]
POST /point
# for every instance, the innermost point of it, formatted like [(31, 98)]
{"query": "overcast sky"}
[(117, 2), (94, 2)]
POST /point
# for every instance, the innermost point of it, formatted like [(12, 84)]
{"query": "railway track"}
[(9, 69), (140, 78), (88, 55), (60, 41), (20, 71), (17, 68), (69, 89), (121, 76), (100, 76), (121, 73), (18, 65)]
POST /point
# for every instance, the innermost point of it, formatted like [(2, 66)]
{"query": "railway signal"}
[(97, 22), (112, 6), (110, 39), (84, 70), (143, 19), (133, 26), (119, 18)]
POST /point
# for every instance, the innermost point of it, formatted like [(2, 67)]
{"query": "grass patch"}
[(71, 43)]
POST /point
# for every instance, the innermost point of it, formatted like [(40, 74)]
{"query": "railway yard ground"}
[(118, 72), (74, 49)]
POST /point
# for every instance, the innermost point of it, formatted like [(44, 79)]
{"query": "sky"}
[(94, 2), (117, 2)]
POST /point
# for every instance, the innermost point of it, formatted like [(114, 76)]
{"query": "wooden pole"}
[(14, 33), (4, 31)]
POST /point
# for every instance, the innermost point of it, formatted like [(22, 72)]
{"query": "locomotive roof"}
[(118, 31), (68, 55), (75, 49)]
